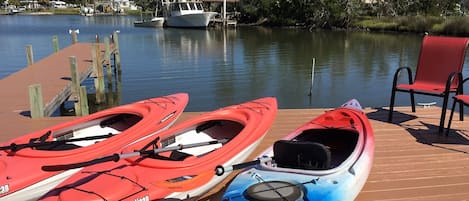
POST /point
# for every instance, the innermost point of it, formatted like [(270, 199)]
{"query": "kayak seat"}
[(302, 155), (171, 156), (178, 155)]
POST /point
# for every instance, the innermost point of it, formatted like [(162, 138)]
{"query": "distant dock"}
[(218, 22)]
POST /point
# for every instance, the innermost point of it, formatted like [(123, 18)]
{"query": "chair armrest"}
[(461, 84), (397, 73), (450, 80)]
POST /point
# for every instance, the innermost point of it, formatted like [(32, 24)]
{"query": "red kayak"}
[(81, 139), (177, 164)]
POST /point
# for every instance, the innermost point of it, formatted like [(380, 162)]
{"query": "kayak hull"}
[(342, 180), (21, 172)]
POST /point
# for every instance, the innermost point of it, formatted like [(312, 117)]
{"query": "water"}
[(222, 67)]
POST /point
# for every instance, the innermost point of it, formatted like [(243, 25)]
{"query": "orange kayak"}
[(81, 139), (232, 134)]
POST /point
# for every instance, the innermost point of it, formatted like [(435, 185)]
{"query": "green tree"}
[(14, 2), (146, 5), (253, 10)]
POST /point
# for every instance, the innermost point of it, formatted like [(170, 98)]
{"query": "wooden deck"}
[(412, 161)]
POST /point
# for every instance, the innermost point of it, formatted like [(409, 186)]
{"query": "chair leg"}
[(443, 113), (391, 105), (412, 100), (461, 111), (451, 117)]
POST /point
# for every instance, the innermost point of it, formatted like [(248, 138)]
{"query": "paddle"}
[(220, 170), (15, 147), (117, 157)]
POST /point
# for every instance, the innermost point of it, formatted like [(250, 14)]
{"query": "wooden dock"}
[(53, 74)]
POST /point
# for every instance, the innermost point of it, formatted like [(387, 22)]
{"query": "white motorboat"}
[(186, 14)]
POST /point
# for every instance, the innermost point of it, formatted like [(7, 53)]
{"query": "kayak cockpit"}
[(203, 132), (316, 149), (91, 132)]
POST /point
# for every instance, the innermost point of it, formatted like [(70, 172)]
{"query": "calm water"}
[(224, 67)]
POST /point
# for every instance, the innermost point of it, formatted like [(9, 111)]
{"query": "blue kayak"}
[(328, 158)]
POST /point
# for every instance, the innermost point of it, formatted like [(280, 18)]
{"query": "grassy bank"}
[(434, 25), (68, 11)]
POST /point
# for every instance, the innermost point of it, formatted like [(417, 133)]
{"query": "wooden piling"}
[(107, 55), (117, 57), (98, 70), (29, 55), (74, 36), (75, 84), (36, 102), (55, 43), (118, 88), (83, 101), (107, 62)]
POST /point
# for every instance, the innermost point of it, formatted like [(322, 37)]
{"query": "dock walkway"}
[(53, 74)]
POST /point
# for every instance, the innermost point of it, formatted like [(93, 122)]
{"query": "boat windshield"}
[(193, 6), (199, 6), (184, 6)]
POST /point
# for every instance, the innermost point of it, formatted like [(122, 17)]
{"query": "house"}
[(121, 5), (58, 4), (30, 4)]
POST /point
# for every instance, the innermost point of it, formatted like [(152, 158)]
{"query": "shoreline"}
[(453, 26)]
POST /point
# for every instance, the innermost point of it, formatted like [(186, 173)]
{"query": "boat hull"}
[(343, 180), (187, 173), (154, 22), (21, 174), (191, 20)]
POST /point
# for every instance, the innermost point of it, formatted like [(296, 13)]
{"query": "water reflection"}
[(219, 67)]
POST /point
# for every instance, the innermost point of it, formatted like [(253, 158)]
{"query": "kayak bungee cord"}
[(313, 181), (271, 188), (160, 103), (16, 147), (107, 172), (262, 106)]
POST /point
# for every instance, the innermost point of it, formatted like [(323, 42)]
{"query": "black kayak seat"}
[(302, 155)]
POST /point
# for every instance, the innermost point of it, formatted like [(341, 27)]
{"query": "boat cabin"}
[(183, 7)]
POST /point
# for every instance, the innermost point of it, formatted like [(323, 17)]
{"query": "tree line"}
[(341, 13)]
